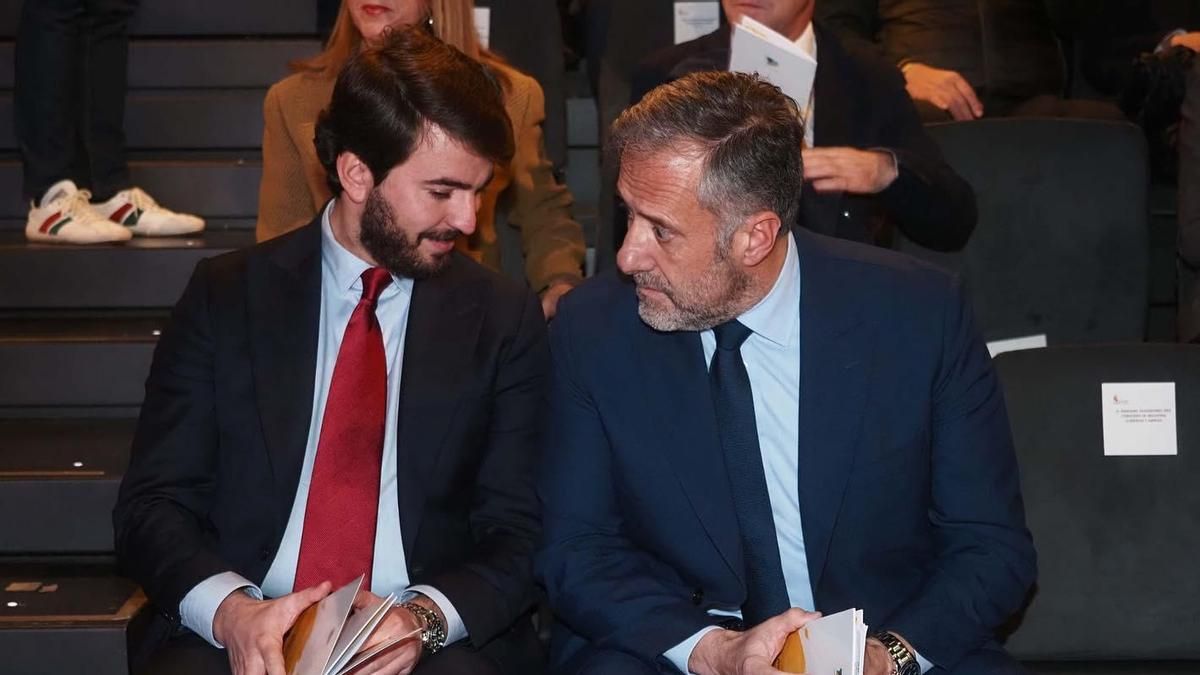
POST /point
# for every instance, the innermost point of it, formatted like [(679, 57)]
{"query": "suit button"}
[(417, 570), (698, 597), (264, 554)]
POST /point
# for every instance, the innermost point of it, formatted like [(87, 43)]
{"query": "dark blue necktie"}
[(766, 591)]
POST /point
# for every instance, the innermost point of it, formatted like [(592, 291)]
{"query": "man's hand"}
[(877, 661), (848, 170), (252, 630), (726, 652), (1189, 40), (945, 89), (403, 658), (551, 296)]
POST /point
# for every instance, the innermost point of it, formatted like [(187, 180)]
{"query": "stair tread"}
[(64, 449), (45, 595), (217, 239), (98, 329)]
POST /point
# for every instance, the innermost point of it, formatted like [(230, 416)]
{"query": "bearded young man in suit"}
[(352, 398), (869, 166), (755, 424)]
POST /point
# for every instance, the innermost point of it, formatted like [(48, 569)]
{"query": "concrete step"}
[(198, 63), (58, 619), (76, 362), (142, 273), (58, 483), (203, 17), (177, 119)]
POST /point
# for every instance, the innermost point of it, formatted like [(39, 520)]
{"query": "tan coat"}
[(293, 188)]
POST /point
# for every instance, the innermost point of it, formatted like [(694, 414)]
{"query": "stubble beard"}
[(392, 248)]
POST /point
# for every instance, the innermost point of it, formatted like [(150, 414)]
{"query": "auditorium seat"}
[(620, 34), (1117, 537), (528, 33), (1062, 244)]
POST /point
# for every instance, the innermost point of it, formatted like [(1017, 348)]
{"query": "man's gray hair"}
[(748, 132)]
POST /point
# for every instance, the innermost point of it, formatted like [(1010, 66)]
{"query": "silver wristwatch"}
[(903, 660), (433, 636)]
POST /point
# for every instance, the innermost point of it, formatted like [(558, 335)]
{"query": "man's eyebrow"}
[(450, 183), (654, 220)]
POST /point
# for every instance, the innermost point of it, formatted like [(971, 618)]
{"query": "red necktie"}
[(338, 543)]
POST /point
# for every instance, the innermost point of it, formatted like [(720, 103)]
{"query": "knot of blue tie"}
[(731, 335)]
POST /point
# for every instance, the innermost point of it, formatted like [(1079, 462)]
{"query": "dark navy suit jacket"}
[(908, 483)]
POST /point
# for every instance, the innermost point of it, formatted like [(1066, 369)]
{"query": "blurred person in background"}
[(71, 63), (524, 194)]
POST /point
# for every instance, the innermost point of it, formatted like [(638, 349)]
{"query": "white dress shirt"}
[(808, 43), (341, 290), (772, 358)]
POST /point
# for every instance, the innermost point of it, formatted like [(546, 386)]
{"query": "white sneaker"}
[(64, 216), (142, 216)]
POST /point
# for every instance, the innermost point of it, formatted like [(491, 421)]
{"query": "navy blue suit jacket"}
[(908, 483)]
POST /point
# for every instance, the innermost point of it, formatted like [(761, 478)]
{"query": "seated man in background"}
[(353, 397), (966, 60), (868, 164), (755, 424)]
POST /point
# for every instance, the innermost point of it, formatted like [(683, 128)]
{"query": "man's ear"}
[(356, 178), (758, 234)]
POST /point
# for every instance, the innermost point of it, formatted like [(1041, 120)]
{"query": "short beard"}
[(724, 284), (392, 248)]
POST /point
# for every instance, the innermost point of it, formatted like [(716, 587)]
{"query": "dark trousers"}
[(591, 661), (191, 655), (71, 63)]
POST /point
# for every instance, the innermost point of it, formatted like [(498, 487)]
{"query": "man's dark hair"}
[(747, 131), (386, 98)]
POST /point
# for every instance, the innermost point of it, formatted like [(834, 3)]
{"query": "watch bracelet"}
[(904, 660), (433, 635)]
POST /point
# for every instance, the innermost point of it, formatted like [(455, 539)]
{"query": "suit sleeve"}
[(930, 203), (853, 21), (495, 584), (162, 541), (551, 240), (284, 200), (599, 582), (986, 561)]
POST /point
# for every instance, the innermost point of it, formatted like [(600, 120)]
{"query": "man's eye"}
[(661, 233), (442, 196)]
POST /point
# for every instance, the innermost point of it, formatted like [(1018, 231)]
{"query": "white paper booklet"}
[(832, 645), (758, 49), (327, 637)]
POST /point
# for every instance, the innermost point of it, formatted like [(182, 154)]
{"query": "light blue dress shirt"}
[(772, 358), (341, 290)]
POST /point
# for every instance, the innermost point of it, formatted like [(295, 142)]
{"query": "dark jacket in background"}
[(861, 103), (1005, 49)]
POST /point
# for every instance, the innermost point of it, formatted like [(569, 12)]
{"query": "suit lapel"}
[(834, 372), (681, 417), (284, 301), (443, 328)]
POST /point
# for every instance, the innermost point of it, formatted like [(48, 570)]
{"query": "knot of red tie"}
[(374, 281)]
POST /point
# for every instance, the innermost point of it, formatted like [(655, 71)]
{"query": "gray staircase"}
[(78, 325)]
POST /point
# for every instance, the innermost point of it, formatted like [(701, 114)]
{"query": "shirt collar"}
[(777, 316), (808, 41), (347, 268)]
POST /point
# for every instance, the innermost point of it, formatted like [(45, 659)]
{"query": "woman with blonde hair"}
[(524, 194)]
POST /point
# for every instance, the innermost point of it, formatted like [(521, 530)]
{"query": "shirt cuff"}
[(680, 654), (199, 607), (925, 665), (455, 630)]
